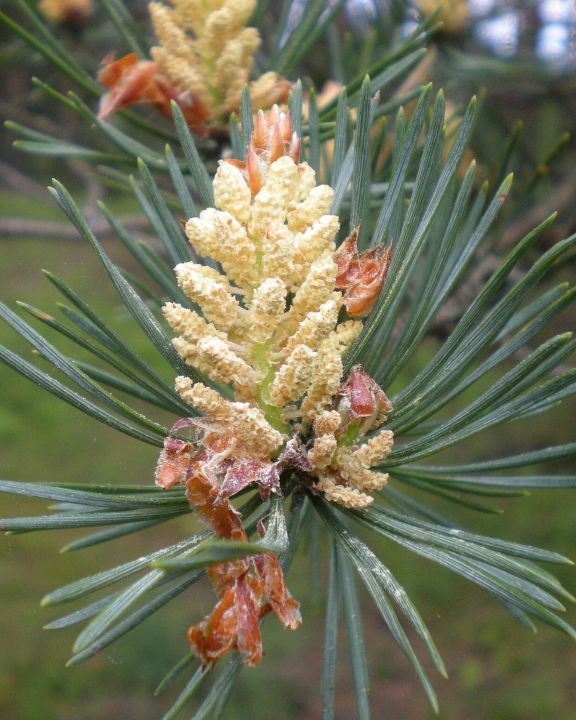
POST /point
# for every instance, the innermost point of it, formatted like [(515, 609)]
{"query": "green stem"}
[(272, 413), (350, 436)]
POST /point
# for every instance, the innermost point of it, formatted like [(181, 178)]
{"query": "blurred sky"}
[(544, 28)]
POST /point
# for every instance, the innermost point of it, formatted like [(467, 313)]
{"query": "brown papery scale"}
[(361, 276)]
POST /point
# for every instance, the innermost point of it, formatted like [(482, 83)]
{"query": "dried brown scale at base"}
[(248, 589)]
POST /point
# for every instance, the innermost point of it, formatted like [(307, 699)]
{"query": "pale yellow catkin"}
[(275, 247)]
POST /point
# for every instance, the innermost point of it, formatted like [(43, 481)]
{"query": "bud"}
[(272, 138), (362, 404)]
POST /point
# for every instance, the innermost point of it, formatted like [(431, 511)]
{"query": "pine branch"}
[(17, 227)]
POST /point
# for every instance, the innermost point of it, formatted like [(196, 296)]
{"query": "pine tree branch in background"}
[(559, 201), (18, 181), (12, 228)]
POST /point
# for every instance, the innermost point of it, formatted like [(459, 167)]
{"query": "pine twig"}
[(12, 228)]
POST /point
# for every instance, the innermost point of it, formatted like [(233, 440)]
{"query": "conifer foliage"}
[(325, 232)]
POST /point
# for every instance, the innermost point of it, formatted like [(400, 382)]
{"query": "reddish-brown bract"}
[(173, 463), (361, 277), (247, 588), (132, 81)]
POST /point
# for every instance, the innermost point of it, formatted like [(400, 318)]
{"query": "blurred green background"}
[(498, 670)]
